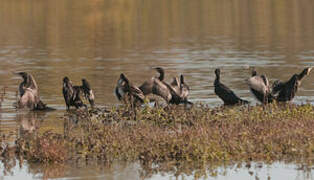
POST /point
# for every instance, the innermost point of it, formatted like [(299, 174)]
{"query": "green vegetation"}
[(176, 136)]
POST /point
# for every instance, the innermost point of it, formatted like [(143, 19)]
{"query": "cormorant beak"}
[(18, 73)]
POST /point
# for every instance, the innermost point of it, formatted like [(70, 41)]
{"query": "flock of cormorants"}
[(260, 88), (28, 95), (174, 93), (177, 91)]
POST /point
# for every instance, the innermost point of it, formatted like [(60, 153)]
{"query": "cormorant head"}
[(159, 69), (24, 75), (67, 84), (308, 70), (217, 72), (85, 84), (28, 80), (123, 78), (304, 73), (66, 79), (254, 73), (161, 72)]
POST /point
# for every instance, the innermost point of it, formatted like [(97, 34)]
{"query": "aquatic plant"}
[(176, 135), (49, 147)]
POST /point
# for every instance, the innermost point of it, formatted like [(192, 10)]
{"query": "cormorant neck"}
[(254, 73), (27, 81), (161, 77), (161, 74), (32, 82), (24, 81), (302, 74), (217, 78)]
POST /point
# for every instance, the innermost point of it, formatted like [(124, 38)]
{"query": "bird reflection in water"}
[(29, 122)]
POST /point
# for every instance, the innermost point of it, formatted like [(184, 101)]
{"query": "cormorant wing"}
[(122, 86), (21, 89), (226, 94), (76, 93), (33, 84), (68, 91), (176, 86), (277, 87), (287, 90), (137, 93), (27, 100), (179, 87), (257, 83), (147, 86), (162, 89), (184, 88), (119, 96)]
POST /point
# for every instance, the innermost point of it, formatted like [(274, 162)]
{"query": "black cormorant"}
[(87, 91), (71, 94), (259, 86), (147, 86), (181, 90), (127, 92), (174, 93), (28, 95), (287, 90)]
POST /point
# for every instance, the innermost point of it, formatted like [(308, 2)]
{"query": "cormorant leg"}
[(265, 99), (133, 107), (156, 104)]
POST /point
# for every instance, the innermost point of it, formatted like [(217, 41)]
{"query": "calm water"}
[(133, 171), (98, 40)]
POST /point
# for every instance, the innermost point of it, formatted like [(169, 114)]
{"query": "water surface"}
[(98, 40)]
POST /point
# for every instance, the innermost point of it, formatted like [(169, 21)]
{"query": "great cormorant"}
[(287, 90), (147, 86), (28, 95), (174, 93), (181, 90), (71, 94), (87, 91), (259, 86), (127, 92), (226, 94)]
